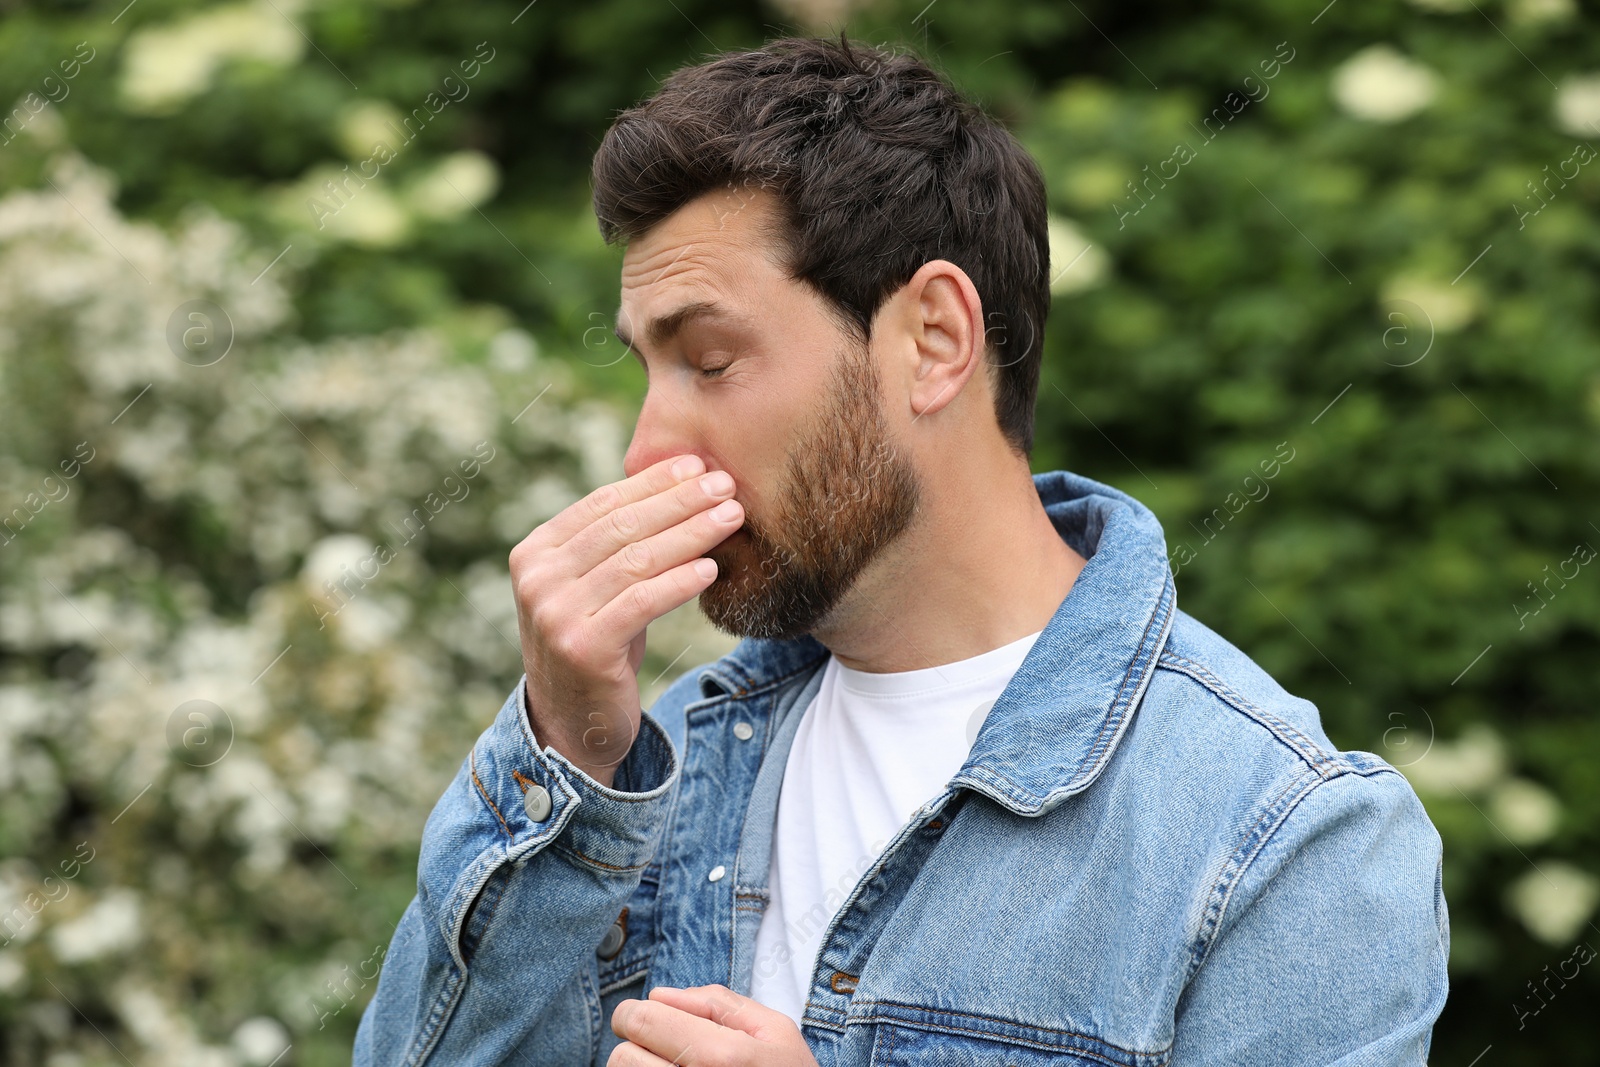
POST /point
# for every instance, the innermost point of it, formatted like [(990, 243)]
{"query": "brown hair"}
[(879, 166)]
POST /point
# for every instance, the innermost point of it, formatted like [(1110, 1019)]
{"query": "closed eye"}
[(714, 362)]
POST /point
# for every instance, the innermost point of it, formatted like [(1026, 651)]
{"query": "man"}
[(972, 790)]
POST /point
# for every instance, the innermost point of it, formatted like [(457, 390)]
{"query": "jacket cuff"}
[(614, 828)]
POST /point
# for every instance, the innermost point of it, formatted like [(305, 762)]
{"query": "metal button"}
[(717, 872), (743, 731), (611, 944), (536, 802)]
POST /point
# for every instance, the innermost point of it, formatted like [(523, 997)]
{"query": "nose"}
[(662, 431)]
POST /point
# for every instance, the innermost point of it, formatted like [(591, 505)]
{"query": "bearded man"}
[(971, 789)]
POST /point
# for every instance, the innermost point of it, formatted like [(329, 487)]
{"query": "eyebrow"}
[(660, 331)]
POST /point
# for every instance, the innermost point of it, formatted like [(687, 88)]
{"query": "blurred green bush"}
[(1325, 301)]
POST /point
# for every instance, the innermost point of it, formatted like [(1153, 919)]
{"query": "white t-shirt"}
[(869, 751)]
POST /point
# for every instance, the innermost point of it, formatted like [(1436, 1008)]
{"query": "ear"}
[(938, 319)]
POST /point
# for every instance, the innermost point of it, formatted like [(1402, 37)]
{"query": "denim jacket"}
[(1153, 855)]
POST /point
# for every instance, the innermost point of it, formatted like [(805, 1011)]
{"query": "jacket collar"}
[(1053, 729)]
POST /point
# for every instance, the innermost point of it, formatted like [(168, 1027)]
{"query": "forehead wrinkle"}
[(671, 263), (720, 229), (699, 275), (688, 283), (714, 251)]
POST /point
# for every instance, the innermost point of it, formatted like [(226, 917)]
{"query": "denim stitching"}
[(1233, 872), (1308, 750), (607, 868), (744, 689), (626, 980), (1114, 721), (597, 1017), (616, 796), (486, 798), (443, 1008), (1159, 1057), (493, 906), (746, 694), (1140, 662)]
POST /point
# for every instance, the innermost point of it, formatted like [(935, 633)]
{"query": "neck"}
[(981, 566)]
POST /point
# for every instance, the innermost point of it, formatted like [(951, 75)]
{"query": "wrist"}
[(588, 758)]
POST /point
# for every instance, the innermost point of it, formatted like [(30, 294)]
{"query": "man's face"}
[(795, 415)]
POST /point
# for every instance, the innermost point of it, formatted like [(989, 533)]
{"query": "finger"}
[(607, 498), (726, 1008), (620, 548), (644, 602), (679, 1036), (628, 1054)]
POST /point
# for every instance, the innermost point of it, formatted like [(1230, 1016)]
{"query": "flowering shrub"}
[(247, 640)]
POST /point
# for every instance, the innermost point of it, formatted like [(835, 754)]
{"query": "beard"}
[(848, 495)]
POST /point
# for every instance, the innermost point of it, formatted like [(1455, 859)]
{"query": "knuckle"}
[(580, 644), (522, 556), (529, 574), (603, 501), (570, 644), (637, 557), (623, 523), (640, 600), (540, 536), (544, 618), (524, 583), (532, 592)]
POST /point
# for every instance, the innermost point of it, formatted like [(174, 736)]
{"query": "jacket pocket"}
[(953, 1039)]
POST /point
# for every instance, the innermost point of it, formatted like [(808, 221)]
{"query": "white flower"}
[(1075, 263), (110, 925), (456, 184), (367, 623), (326, 795), (12, 972), (1447, 307), (370, 216), (513, 351), (1471, 762), (46, 127), (1554, 900), (343, 560), (365, 124), (601, 441), (163, 69), (1578, 105), (1379, 84), (164, 1031), (545, 497), (341, 203), (158, 454), (1525, 812), (167, 64), (1542, 10), (260, 1040)]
